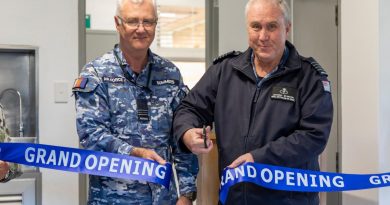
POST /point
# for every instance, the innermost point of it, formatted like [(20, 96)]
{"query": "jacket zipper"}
[(253, 105), (254, 101), (252, 113)]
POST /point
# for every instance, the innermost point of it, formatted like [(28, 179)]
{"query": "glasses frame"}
[(145, 23)]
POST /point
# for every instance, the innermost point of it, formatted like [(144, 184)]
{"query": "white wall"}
[(51, 25), (102, 14), (384, 85), (365, 94), (361, 94), (232, 26)]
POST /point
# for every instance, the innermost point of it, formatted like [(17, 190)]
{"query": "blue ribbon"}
[(86, 162), (288, 179)]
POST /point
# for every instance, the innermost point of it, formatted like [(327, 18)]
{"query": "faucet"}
[(21, 128)]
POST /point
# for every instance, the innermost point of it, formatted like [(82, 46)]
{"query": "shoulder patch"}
[(83, 84), (80, 83), (226, 55), (316, 66)]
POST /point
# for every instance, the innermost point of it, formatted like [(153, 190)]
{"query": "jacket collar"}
[(243, 62)]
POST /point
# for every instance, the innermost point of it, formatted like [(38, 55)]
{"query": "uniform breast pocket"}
[(161, 114)]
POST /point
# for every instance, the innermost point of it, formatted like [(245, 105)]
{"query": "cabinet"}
[(21, 191), (19, 98)]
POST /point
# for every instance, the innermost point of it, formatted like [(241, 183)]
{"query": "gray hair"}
[(281, 3), (120, 3)]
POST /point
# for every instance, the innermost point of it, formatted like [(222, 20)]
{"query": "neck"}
[(263, 68), (136, 59)]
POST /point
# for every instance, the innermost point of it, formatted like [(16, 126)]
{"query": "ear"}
[(118, 22), (288, 28)]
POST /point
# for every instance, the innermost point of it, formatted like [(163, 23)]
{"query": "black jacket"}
[(284, 122)]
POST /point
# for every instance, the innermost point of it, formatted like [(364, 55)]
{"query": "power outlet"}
[(61, 92)]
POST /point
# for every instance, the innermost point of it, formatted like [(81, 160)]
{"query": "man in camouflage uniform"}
[(3, 127), (8, 171), (125, 102), (4, 168)]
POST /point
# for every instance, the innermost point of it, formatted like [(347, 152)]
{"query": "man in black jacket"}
[(269, 104)]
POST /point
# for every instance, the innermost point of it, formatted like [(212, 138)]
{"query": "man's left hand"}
[(242, 159), (183, 201)]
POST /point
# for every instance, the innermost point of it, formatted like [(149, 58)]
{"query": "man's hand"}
[(192, 138), (242, 159), (183, 201), (3, 169), (147, 154)]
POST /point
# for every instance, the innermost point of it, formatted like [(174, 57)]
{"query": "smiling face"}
[(136, 38), (267, 31)]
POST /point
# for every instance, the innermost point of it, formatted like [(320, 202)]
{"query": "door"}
[(315, 34)]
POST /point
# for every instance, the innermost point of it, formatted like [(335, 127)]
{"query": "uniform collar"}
[(243, 63), (143, 78), (278, 68), (151, 56)]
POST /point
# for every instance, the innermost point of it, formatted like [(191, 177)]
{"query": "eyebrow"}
[(257, 22)]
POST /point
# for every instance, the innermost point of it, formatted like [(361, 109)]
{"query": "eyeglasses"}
[(134, 22)]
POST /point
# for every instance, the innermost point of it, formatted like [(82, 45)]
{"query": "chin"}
[(264, 55), (139, 46), (266, 58)]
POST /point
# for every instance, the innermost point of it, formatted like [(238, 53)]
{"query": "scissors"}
[(204, 136)]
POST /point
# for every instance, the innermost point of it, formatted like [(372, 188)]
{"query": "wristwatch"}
[(191, 195)]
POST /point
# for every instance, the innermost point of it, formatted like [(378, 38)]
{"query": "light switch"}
[(61, 92)]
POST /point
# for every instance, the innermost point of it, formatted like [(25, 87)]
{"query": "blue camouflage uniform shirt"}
[(108, 121)]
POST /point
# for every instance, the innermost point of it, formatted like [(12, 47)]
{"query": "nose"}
[(263, 35), (140, 28)]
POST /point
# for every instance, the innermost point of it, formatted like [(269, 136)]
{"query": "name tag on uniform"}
[(143, 110), (165, 82), (283, 93), (113, 79)]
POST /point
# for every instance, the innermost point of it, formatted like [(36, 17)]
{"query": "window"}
[(181, 27)]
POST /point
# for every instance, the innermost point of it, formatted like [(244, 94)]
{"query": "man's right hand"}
[(192, 138), (147, 154), (3, 169)]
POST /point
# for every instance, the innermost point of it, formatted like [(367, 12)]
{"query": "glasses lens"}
[(132, 23), (135, 23), (148, 23)]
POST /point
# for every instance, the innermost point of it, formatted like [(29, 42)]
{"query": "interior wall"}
[(384, 73), (102, 14), (232, 26), (361, 94), (51, 25)]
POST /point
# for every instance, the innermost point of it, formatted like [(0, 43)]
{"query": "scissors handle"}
[(204, 136)]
